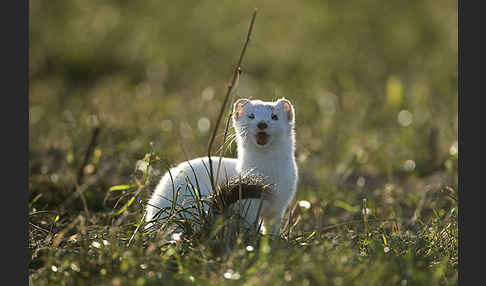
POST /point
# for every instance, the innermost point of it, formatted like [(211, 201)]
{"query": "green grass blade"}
[(121, 187)]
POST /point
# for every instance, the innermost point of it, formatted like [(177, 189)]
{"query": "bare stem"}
[(230, 88)]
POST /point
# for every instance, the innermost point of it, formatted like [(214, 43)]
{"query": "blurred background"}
[(373, 83)]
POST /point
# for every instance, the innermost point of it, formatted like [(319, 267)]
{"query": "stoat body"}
[(265, 145)]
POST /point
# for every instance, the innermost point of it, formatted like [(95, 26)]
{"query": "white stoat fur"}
[(270, 155)]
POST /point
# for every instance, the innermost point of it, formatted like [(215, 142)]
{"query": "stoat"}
[(265, 145)]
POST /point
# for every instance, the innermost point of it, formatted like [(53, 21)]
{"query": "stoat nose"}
[(262, 125)]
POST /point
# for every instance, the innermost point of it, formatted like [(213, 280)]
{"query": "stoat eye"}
[(274, 117), (251, 116)]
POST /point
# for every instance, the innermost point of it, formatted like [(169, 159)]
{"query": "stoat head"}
[(261, 124)]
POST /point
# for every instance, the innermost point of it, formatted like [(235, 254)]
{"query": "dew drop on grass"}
[(203, 125), (287, 276), (409, 165), (366, 211), (208, 93), (54, 178), (75, 267), (453, 148), (232, 275), (176, 236), (361, 182), (89, 169), (405, 118), (304, 204)]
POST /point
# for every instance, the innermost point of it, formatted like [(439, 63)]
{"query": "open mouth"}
[(262, 138)]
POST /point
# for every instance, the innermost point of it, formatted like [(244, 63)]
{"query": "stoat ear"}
[(238, 107), (287, 108)]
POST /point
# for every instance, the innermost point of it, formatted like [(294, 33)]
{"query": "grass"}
[(367, 249), (374, 86)]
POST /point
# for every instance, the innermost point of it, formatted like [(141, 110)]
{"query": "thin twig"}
[(80, 177), (87, 155), (39, 228), (41, 212), (236, 74)]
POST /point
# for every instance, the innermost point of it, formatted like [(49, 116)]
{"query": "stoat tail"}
[(240, 187)]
